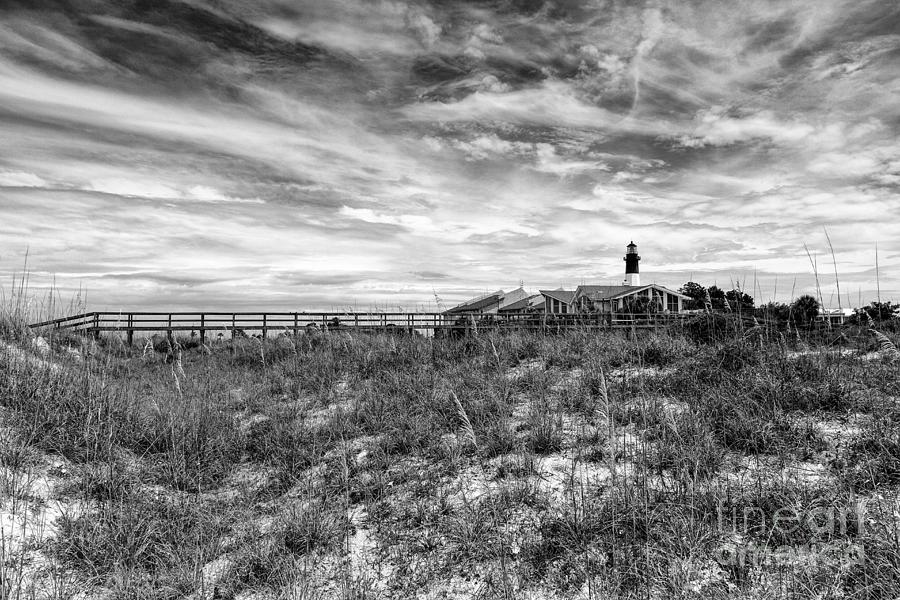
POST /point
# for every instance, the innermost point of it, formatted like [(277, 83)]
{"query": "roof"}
[(847, 312), (565, 296), (512, 297), (673, 292), (611, 292), (478, 303), (605, 292), (523, 304)]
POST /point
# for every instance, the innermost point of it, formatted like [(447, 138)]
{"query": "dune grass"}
[(508, 465)]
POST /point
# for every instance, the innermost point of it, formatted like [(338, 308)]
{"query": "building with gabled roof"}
[(490, 303), (558, 301), (533, 303), (615, 298), (591, 299), (834, 316)]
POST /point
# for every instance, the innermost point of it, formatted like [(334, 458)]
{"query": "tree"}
[(639, 305), (739, 301), (717, 297), (805, 309), (697, 294), (774, 311), (876, 312)]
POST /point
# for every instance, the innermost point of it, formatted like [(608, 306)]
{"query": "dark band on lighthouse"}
[(632, 272)]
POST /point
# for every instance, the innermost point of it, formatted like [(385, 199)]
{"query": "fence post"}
[(295, 324), (130, 334), (264, 326), (202, 328), (232, 325), (96, 326)]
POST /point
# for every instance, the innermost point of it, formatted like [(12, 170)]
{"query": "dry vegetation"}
[(680, 464)]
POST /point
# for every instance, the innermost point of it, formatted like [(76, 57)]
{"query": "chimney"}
[(632, 275)]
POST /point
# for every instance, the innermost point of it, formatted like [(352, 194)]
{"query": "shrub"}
[(314, 527), (544, 428), (662, 350), (497, 438), (685, 446), (744, 421), (736, 355), (712, 327), (873, 457), (141, 542)]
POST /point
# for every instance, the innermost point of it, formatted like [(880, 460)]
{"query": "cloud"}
[(130, 188), (369, 31), (428, 31), (484, 147), (23, 38), (20, 179), (325, 153), (553, 104), (550, 161), (715, 128), (430, 275), (415, 223)]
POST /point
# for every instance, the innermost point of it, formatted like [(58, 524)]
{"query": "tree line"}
[(803, 310)]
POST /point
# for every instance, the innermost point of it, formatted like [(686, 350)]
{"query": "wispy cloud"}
[(329, 153)]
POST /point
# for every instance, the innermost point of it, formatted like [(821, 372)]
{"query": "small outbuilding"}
[(558, 302), (486, 304)]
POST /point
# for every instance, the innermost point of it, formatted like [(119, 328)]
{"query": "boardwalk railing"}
[(234, 324)]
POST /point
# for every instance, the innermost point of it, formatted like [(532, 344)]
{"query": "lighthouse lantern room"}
[(632, 274)]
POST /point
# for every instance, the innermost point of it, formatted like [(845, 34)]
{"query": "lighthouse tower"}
[(632, 275)]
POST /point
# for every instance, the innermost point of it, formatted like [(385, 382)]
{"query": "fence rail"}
[(242, 323)]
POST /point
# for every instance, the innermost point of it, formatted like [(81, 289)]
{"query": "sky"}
[(302, 154)]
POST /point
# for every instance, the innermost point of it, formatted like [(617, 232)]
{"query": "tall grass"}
[(574, 464), (20, 305)]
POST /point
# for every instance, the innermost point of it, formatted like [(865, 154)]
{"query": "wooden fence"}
[(231, 324)]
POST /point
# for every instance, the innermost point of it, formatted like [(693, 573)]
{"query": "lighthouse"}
[(632, 275)]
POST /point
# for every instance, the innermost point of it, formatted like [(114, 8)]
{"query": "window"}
[(671, 302)]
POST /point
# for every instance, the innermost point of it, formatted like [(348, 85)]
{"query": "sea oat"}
[(468, 430), (887, 347)]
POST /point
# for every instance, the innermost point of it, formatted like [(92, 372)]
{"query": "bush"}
[(685, 446), (712, 327), (662, 350), (141, 542), (544, 428), (315, 527), (737, 355), (873, 457)]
